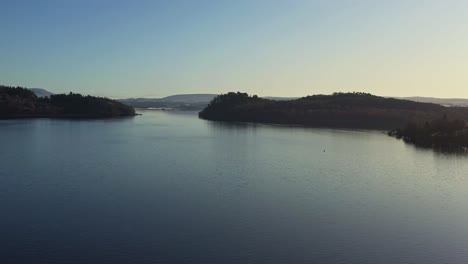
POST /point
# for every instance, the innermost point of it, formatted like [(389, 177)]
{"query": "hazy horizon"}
[(261, 95), (123, 49)]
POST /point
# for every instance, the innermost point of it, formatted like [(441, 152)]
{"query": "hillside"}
[(442, 133), (345, 110), (39, 92), (18, 102), (189, 98), (193, 102)]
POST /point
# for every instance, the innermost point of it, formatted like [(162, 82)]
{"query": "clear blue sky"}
[(150, 48)]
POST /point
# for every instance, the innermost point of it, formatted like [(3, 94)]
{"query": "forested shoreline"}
[(19, 102), (423, 124)]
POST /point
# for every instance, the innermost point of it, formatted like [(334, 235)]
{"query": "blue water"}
[(167, 187)]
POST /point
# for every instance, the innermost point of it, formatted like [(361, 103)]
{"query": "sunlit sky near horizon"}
[(146, 48)]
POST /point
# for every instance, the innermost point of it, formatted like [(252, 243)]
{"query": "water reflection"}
[(167, 187), (441, 151)]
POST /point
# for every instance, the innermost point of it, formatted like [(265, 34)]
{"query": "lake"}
[(167, 187)]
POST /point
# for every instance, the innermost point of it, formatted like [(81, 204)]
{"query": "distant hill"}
[(39, 92), (18, 102), (189, 98), (195, 102), (344, 110), (441, 101)]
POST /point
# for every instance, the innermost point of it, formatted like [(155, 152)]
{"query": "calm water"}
[(170, 188)]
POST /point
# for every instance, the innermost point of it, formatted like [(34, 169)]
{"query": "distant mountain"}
[(441, 101), (189, 98), (194, 102), (41, 92)]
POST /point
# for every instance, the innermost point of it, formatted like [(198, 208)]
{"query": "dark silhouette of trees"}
[(76, 104), (16, 91), (438, 133), (423, 124), (18, 102), (347, 110)]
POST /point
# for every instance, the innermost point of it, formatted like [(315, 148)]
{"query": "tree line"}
[(18, 102), (419, 123)]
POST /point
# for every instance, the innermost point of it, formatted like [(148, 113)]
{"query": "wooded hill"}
[(339, 110), (18, 102)]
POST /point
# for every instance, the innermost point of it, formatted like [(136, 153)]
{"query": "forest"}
[(19, 102), (440, 133), (424, 124)]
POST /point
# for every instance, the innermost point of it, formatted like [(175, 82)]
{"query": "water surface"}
[(168, 187)]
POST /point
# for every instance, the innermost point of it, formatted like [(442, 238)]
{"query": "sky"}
[(150, 48)]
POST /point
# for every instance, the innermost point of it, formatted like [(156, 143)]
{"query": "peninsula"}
[(424, 124), (18, 102)]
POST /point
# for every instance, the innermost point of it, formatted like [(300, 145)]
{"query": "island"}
[(19, 102), (423, 124)]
